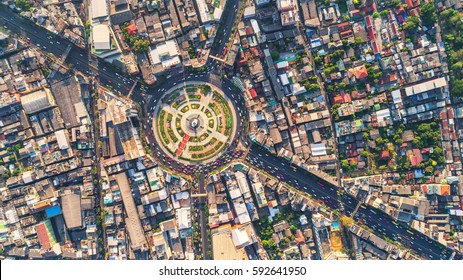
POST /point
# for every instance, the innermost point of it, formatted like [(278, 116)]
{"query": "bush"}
[(275, 55), (185, 109), (172, 135)]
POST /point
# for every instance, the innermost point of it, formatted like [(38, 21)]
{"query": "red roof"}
[(412, 3), (42, 234), (370, 7), (416, 158), (450, 113), (346, 34), (394, 29), (385, 155), (253, 93), (361, 72), (401, 19), (347, 98), (338, 99), (343, 26), (369, 21), (131, 29), (249, 31), (425, 189), (374, 45), (182, 145), (371, 34)]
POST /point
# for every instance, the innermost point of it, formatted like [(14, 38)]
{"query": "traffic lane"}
[(35, 39), (108, 72), (384, 227), (230, 14), (418, 242), (372, 218), (54, 44), (303, 182), (226, 86), (17, 24)]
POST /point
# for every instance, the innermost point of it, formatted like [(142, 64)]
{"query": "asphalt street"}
[(324, 192), (231, 9), (51, 43), (379, 222)]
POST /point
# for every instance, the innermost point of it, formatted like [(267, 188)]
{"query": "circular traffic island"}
[(194, 122)]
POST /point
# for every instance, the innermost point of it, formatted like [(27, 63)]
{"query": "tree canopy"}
[(141, 45), (428, 13), (412, 23)]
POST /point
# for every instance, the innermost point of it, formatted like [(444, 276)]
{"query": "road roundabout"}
[(194, 122)]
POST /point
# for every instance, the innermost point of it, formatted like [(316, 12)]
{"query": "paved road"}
[(326, 193), (56, 45), (322, 191), (203, 220), (231, 9)]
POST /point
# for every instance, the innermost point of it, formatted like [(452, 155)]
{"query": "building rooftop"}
[(72, 210), (100, 37), (99, 9), (134, 227), (223, 247)]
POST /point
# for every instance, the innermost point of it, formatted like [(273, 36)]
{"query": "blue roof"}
[(53, 211)]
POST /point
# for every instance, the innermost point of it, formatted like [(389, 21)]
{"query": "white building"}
[(166, 54), (37, 101), (289, 12), (204, 13), (101, 38), (183, 216), (242, 214), (240, 237), (99, 9), (61, 139)]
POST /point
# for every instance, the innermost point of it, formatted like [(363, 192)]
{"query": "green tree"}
[(457, 88), (376, 15), (384, 13), (141, 45), (358, 41), (412, 23), (365, 154), (23, 4), (346, 221), (428, 13), (275, 55)]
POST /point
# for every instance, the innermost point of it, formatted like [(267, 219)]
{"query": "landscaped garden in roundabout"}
[(194, 122)]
